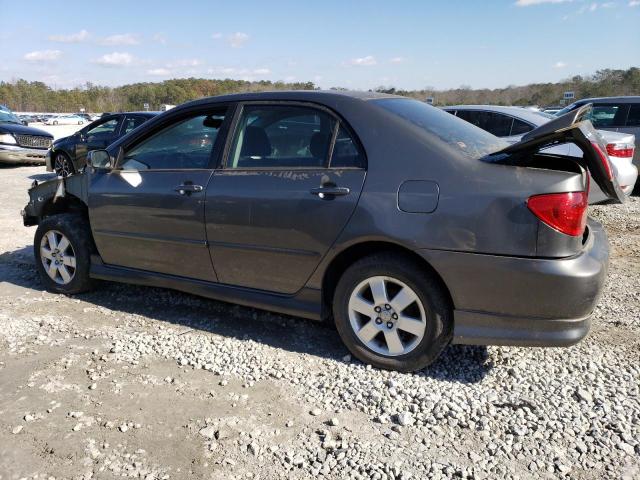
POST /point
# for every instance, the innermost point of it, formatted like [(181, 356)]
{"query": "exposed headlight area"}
[(7, 139)]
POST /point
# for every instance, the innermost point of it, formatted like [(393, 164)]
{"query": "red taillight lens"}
[(604, 159), (620, 150), (566, 212)]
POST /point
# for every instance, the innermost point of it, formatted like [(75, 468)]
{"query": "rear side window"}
[(462, 136), (633, 120), (279, 136), (606, 116), (131, 123), (495, 123), (520, 128), (346, 152)]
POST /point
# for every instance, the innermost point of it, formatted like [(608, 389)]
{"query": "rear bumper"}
[(15, 155), (503, 300)]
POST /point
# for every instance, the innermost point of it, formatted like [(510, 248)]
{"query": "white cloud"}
[(120, 39), (634, 3), (261, 71), (43, 56), (187, 62), (159, 71), (367, 61), (161, 38), (216, 36), (398, 60), (238, 39), (115, 59), (528, 3), (243, 73), (559, 65), (81, 36)]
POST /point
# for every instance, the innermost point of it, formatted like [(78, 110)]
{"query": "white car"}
[(66, 120)]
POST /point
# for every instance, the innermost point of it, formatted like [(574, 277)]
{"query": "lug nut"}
[(389, 325), (378, 309), (378, 320), (395, 316), (387, 306)]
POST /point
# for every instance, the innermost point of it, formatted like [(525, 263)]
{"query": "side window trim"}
[(233, 127)]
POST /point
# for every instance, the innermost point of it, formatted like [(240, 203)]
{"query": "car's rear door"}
[(573, 127), (148, 213), (289, 182)]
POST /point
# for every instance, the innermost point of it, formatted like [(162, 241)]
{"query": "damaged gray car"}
[(409, 228)]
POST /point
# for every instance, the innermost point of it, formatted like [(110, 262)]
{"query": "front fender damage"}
[(54, 192)]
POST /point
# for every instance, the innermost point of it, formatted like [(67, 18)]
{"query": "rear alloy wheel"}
[(391, 313), (62, 247)]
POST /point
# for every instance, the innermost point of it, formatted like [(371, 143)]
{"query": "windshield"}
[(8, 117), (462, 136)]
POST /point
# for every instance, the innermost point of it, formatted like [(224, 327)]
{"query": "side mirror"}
[(99, 159)]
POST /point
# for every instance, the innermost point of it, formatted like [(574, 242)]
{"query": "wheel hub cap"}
[(58, 257), (387, 316)]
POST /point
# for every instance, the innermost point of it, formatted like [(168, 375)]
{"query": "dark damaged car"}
[(408, 227)]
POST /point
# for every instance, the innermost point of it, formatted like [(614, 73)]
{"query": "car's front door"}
[(97, 137), (148, 213), (290, 181)]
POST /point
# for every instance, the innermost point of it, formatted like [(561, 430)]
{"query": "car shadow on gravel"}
[(458, 363)]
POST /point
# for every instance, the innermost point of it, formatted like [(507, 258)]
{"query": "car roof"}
[(321, 96), (623, 99), (530, 116)]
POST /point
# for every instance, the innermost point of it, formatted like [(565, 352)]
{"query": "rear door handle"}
[(334, 191), (188, 188)]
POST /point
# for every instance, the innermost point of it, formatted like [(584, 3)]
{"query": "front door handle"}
[(323, 192), (188, 188)]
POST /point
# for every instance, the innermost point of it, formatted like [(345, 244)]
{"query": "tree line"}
[(22, 95)]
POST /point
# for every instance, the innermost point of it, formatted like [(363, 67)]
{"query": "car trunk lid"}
[(572, 127)]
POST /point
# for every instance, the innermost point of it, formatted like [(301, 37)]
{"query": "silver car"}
[(511, 123)]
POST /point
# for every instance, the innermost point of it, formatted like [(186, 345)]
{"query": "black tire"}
[(431, 293), (76, 229), (59, 167), (55, 122)]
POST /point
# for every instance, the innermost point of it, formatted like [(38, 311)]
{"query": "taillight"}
[(565, 212), (604, 159), (623, 150)]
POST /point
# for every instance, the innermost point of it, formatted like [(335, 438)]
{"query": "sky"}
[(333, 43)]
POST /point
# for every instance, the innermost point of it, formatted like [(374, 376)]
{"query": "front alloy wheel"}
[(58, 257)]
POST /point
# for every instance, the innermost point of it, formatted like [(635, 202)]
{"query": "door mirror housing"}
[(99, 159)]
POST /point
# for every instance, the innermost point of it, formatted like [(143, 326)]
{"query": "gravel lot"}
[(131, 381)]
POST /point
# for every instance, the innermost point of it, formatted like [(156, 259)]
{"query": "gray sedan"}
[(406, 226), (511, 123)]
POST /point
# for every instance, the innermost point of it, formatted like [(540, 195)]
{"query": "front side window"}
[(279, 136), (104, 129), (186, 144), (495, 123)]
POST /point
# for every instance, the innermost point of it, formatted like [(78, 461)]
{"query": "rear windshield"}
[(465, 138)]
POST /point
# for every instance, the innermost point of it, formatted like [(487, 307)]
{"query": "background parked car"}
[(19, 143), (67, 155), (66, 120), (511, 123), (617, 114)]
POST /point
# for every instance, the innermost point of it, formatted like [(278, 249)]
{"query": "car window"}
[(633, 120), (279, 136), (104, 129), (520, 128), (346, 152), (468, 116), (131, 123), (604, 115), (461, 136), (495, 123), (186, 144)]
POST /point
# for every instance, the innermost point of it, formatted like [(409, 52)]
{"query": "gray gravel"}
[(141, 382)]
